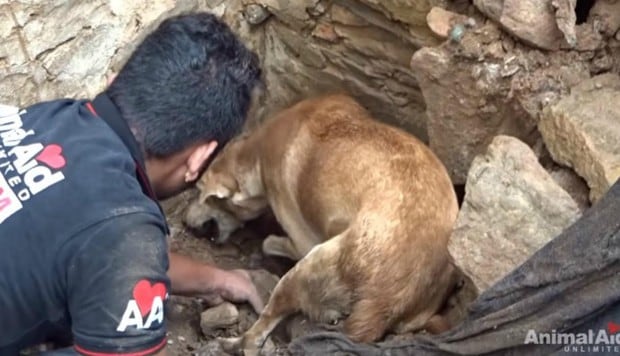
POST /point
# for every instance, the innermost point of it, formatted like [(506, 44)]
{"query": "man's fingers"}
[(213, 299)]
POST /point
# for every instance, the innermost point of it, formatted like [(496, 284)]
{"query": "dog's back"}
[(384, 193)]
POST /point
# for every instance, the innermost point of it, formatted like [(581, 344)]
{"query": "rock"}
[(269, 348), (565, 19), (491, 8), (441, 21), (512, 207), (533, 21), (576, 187), (546, 24), (411, 12), (256, 14), (605, 15), (582, 131), (46, 47), (211, 348), (265, 282), (466, 106), (218, 317)]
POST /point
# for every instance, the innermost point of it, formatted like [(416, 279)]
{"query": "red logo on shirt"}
[(52, 156), (26, 169), (144, 293), (613, 327), (146, 307)]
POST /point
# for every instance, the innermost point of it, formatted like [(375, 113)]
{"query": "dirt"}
[(185, 336)]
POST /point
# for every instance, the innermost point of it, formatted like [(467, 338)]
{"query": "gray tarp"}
[(570, 286)]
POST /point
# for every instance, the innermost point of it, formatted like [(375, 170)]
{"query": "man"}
[(82, 237)]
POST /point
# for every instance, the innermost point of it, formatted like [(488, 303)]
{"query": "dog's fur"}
[(368, 209)]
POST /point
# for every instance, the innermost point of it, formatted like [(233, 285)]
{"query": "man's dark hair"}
[(189, 80)]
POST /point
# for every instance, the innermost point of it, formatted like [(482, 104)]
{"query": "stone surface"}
[(71, 48), (220, 316), (545, 24), (582, 131), (605, 14), (265, 282), (441, 21), (51, 49), (487, 84), (466, 105), (211, 348), (512, 207)]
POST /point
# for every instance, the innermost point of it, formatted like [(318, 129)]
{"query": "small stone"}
[(265, 282), (256, 14), (218, 317), (269, 348), (170, 342), (440, 21), (325, 31), (318, 10), (457, 33), (220, 10), (181, 338)]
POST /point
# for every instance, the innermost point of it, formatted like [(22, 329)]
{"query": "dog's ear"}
[(221, 186), (219, 192)]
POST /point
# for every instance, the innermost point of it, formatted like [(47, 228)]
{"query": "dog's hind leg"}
[(368, 321), (312, 286)]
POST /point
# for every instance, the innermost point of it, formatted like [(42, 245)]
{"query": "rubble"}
[(582, 131), (512, 207), (218, 317), (532, 21)]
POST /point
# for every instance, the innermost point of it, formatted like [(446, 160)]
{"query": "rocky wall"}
[(69, 48)]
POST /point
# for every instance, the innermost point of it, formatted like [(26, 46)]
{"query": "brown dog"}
[(368, 209)]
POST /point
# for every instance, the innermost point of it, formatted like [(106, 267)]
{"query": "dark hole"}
[(582, 9), (208, 229), (460, 193)]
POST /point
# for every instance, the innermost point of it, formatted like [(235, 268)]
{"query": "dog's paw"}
[(239, 346)]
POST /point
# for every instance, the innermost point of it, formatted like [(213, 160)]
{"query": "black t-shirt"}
[(82, 247)]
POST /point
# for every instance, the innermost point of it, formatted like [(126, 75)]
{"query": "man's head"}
[(185, 91)]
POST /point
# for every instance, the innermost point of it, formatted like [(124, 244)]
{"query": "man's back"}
[(67, 183)]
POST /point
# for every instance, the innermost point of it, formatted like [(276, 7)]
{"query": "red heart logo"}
[(613, 327), (144, 293), (52, 156)]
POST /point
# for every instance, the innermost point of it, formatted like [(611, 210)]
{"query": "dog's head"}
[(231, 193)]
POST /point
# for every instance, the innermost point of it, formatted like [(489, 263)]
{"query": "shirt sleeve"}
[(117, 285)]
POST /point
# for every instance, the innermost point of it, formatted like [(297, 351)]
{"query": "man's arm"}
[(116, 286), (192, 278)]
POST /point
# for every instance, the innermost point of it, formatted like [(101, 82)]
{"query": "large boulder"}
[(512, 207), (583, 131)]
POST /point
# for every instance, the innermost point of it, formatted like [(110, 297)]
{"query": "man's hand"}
[(236, 287), (192, 278)]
